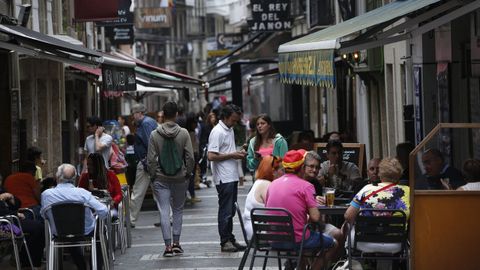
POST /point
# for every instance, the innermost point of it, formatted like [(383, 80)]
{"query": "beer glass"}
[(329, 194)]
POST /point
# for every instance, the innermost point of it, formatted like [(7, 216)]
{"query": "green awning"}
[(307, 68), (303, 61)]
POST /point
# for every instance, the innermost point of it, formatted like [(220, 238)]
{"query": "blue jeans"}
[(227, 197)]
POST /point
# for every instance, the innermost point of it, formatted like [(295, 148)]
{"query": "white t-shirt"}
[(126, 130), (222, 141), (105, 152)]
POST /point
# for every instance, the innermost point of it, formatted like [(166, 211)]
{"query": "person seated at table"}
[(388, 194), (372, 174), (98, 177), (295, 194), (438, 173), (471, 170), (24, 186), (336, 173), (311, 167), (269, 169), (32, 229), (65, 191)]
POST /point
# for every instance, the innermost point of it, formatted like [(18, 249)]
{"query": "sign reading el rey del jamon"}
[(270, 15)]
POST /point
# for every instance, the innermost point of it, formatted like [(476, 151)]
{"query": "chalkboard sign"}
[(352, 152), (117, 78)]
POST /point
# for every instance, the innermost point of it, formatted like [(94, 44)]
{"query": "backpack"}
[(169, 160)]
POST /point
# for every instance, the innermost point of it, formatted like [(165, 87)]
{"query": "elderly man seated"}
[(65, 191), (439, 174), (296, 195)]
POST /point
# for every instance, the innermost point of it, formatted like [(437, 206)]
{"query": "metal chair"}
[(386, 229), (126, 209), (273, 231), (62, 232), (242, 225), (18, 241), (118, 230)]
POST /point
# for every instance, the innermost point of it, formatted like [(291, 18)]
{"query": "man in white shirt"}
[(223, 154), (98, 141)]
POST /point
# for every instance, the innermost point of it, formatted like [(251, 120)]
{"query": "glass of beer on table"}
[(329, 194)]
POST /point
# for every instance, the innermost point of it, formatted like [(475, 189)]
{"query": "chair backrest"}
[(272, 225), (242, 225), (68, 219), (381, 226)]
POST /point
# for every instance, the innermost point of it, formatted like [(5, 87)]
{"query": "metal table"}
[(336, 210)]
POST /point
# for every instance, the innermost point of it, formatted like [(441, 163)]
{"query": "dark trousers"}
[(227, 197), (35, 237)]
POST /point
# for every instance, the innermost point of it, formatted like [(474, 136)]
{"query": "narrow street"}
[(199, 238)]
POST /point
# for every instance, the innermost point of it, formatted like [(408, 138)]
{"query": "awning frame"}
[(390, 35)]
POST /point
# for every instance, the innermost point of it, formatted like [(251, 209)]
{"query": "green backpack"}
[(169, 160)]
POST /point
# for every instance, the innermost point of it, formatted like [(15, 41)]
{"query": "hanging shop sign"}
[(313, 68), (229, 40), (269, 15), (116, 78), (120, 34), (94, 10), (149, 18), (124, 15)]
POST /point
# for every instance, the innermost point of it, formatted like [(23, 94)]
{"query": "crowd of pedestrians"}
[(173, 154)]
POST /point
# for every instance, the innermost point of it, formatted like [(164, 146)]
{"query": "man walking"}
[(98, 141), (145, 126), (223, 154), (170, 163)]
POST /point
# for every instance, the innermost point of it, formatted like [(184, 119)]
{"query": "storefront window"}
[(267, 95)]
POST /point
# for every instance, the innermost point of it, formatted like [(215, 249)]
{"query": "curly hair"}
[(390, 170)]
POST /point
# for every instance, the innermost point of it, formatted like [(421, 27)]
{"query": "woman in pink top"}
[(266, 142)]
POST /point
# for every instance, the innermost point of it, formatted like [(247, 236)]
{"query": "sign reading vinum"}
[(270, 15)]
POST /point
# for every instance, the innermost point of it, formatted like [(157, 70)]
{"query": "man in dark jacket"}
[(145, 126), (170, 188), (439, 174)]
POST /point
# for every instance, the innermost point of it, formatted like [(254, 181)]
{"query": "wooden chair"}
[(378, 234)]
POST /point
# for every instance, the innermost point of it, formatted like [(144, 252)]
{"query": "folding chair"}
[(59, 218), (273, 227), (18, 241), (378, 234)]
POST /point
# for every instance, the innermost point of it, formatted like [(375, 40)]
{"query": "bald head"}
[(372, 171), (66, 173)]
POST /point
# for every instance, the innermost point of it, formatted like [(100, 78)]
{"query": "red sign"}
[(94, 10)]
